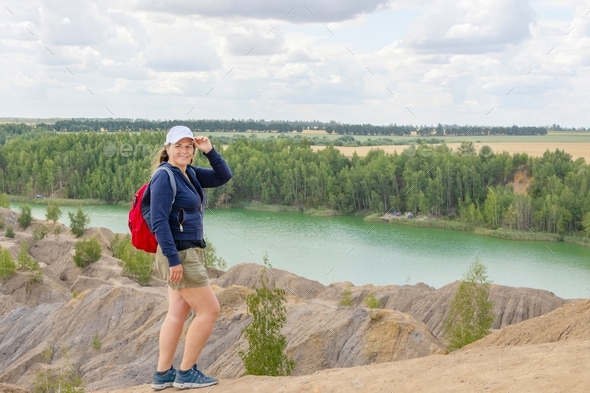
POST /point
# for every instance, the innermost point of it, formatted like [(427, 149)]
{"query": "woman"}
[(177, 222)]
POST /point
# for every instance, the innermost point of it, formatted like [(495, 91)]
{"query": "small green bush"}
[(39, 232), (266, 355), (372, 302), (78, 222), (211, 257), (96, 344), (137, 265), (118, 244), (52, 212), (9, 232), (25, 218), (87, 252), (65, 379), (7, 265), (2, 221), (28, 264), (346, 299), (4, 200)]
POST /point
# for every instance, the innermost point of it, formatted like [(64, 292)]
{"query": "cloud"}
[(73, 23), (255, 43), (313, 12), (478, 26)]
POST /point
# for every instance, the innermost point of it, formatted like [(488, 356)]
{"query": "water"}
[(348, 249)]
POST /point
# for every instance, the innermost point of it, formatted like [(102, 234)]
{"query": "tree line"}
[(468, 185), (233, 125)]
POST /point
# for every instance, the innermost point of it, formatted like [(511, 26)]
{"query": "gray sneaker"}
[(193, 378)]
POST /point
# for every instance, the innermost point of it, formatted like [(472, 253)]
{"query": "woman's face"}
[(181, 153)]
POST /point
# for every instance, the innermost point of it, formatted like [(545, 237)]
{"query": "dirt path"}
[(552, 367)]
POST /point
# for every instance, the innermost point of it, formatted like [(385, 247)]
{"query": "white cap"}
[(176, 133)]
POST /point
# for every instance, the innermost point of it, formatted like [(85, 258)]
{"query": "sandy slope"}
[(558, 367)]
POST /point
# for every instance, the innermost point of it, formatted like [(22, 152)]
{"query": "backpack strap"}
[(172, 180), (145, 201)]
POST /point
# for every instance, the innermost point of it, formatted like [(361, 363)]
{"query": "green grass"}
[(57, 201)]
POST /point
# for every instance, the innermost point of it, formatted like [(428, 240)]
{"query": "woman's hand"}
[(203, 144), (176, 274)]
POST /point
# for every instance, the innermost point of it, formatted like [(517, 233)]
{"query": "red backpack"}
[(139, 223)]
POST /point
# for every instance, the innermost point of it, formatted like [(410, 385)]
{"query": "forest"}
[(113, 125), (471, 186)]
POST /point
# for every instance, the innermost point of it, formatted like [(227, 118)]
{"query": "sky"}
[(479, 62)]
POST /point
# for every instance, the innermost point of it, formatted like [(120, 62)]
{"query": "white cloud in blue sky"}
[(343, 60)]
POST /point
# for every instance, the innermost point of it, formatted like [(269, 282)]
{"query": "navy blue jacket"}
[(189, 204)]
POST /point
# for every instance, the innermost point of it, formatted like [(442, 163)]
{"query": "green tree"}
[(470, 316), (586, 224), (372, 302), (266, 355), (346, 299), (4, 200), (137, 265), (7, 265), (211, 257), (25, 218), (39, 232), (96, 344), (53, 212), (28, 264), (9, 232), (78, 222), (87, 252)]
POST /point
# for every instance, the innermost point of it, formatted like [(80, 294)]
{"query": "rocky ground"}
[(540, 342)]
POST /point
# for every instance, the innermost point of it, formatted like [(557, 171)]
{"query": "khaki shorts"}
[(194, 273)]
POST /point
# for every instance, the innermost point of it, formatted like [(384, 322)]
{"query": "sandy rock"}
[(427, 304), (247, 275), (7, 388), (568, 322)]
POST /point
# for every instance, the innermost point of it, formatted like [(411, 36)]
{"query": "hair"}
[(160, 157)]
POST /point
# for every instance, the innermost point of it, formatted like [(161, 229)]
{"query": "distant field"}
[(532, 148), (551, 137)]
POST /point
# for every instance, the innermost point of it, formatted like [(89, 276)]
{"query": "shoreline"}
[(501, 233), (418, 222)]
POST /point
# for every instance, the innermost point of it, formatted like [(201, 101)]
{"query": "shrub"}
[(2, 221), (4, 200), (118, 245), (346, 299), (211, 257), (28, 264), (87, 252), (52, 212), (266, 355), (64, 379), (137, 265), (470, 316), (7, 265), (25, 218), (78, 222), (57, 230), (372, 302), (96, 344), (9, 232), (39, 232)]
